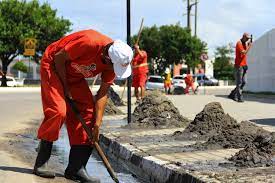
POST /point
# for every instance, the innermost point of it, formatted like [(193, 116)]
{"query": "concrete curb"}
[(147, 168)]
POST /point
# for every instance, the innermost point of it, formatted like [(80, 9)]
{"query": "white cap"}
[(167, 70), (121, 54)]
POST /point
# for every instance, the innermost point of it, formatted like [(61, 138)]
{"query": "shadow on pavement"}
[(254, 98), (22, 170), (266, 121)]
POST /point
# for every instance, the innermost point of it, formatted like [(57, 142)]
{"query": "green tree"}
[(170, 44), (223, 66), (20, 66), (22, 19)]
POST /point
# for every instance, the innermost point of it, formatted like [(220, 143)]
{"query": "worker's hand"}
[(96, 133), (136, 47)]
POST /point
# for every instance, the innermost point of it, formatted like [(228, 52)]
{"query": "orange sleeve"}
[(144, 54), (240, 47), (78, 47), (108, 76)]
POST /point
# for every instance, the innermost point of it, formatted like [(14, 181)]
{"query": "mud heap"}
[(115, 97), (157, 111), (111, 109), (236, 136), (219, 130), (209, 122), (261, 152)]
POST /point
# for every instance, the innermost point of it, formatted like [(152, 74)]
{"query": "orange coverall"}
[(140, 70), (84, 49)]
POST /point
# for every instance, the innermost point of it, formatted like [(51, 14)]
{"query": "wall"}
[(261, 64)]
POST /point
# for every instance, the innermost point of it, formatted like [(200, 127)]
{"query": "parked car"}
[(10, 81), (178, 81), (20, 81), (206, 80), (155, 83)]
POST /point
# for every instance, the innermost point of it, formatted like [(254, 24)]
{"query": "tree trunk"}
[(5, 69)]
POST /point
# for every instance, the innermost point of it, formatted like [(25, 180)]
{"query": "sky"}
[(219, 21)]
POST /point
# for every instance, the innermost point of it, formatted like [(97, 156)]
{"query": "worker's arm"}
[(60, 59), (139, 51), (101, 100), (245, 51)]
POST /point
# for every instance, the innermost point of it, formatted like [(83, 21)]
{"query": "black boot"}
[(232, 95), (43, 156), (76, 170)]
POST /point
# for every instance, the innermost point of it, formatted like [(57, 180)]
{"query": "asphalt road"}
[(18, 109)]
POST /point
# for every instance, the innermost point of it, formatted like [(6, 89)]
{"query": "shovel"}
[(90, 136)]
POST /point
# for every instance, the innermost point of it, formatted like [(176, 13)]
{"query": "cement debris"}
[(111, 109), (156, 111), (261, 152), (115, 97)]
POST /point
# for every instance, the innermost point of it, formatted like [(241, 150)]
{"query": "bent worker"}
[(64, 66), (242, 48), (140, 71), (167, 81), (189, 81)]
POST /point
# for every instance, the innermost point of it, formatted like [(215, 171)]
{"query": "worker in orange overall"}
[(189, 81), (139, 72), (64, 66)]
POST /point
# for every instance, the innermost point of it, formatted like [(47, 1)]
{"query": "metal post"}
[(188, 14), (29, 71), (196, 16), (129, 79)]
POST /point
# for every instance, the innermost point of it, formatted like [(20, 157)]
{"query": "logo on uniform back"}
[(92, 67), (86, 70)]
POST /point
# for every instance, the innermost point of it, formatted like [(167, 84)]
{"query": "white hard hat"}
[(167, 71), (121, 55)]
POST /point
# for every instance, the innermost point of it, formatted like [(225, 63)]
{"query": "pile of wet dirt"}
[(157, 111), (210, 122), (115, 97), (235, 136), (218, 130), (261, 152), (111, 109)]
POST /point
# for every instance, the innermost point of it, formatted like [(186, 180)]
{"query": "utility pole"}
[(129, 79), (188, 15), (189, 8), (196, 16)]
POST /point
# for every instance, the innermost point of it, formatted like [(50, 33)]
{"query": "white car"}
[(12, 82), (155, 83), (178, 81)]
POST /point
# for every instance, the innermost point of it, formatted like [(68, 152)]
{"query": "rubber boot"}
[(232, 95), (43, 156), (76, 169)]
